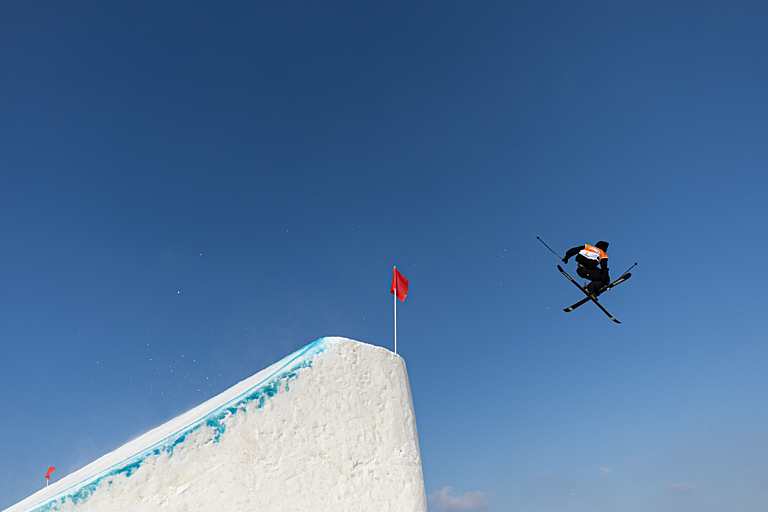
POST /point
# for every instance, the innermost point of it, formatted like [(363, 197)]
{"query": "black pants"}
[(595, 275)]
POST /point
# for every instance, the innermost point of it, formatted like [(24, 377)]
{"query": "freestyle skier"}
[(592, 264)]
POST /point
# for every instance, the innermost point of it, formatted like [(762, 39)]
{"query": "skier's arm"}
[(571, 253), (604, 267)]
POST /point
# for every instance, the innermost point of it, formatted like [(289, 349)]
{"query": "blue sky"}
[(190, 191)]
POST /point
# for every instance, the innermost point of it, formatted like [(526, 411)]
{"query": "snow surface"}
[(329, 428)]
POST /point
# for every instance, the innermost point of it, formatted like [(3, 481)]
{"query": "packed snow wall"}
[(329, 428)]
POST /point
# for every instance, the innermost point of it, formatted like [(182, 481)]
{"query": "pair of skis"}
[(591, 297)]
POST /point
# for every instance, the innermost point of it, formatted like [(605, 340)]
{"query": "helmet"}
[(603, 246)]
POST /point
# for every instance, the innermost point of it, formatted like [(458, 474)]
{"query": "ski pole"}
[(548, 247), (627, 271)]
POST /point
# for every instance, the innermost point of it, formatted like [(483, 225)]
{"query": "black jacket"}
[(586, 261)]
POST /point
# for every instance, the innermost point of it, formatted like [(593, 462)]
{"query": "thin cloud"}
[(677, 491), (443, 500), (605, 472)]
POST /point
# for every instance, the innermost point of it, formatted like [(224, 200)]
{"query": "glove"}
[(565, 260), (606, 280)]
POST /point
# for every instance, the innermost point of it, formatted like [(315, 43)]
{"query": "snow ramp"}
[(331, 427)]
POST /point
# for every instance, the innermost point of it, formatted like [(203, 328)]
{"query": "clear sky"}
[(190, 191)]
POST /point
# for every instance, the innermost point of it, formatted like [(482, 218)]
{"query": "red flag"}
[(399, 285), (51, 469)]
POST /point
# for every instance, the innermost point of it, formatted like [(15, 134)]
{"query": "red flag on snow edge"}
[(399, 285), (51, 469)]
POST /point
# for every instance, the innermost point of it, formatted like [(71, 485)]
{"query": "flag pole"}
[(395, 314)]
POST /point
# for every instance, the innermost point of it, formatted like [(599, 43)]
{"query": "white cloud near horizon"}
[(443, 500), (677, 491)]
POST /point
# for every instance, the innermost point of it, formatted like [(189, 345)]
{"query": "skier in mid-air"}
[(592, 264)]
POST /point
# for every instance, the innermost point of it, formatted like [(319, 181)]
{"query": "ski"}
[(589, 296), (603, 290)]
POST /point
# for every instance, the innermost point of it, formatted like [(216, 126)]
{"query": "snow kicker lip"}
[(263, 389)]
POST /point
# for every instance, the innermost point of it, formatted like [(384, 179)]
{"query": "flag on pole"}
[(51, 469), (399, 285)]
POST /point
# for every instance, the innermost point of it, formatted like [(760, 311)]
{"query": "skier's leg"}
[(592, 274), (595, 275), (598, 285)]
